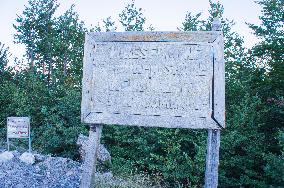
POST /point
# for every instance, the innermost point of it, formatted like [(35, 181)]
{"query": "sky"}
[(164, 15)]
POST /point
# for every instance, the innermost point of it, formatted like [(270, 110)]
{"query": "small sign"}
[(18, 127)]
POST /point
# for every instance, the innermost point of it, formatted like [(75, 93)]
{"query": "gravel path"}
[(46, 172), (54, 172)]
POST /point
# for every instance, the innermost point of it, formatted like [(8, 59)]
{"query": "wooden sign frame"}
[(217, 115), (104, 52)]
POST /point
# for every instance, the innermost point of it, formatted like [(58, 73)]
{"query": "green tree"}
[(132, 18), (34, 30), (68, 41), (108, 25), (54, 44), (243, 145), (4, 55), (49, 90), (269, 53)]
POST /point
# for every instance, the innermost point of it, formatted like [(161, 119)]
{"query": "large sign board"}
[(160, 79), (18, 127)]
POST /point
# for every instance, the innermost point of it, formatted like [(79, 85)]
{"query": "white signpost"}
[(18, 127), (158, 79)]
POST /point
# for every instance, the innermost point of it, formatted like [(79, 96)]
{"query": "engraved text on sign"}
[(134, 79), (166, 84)]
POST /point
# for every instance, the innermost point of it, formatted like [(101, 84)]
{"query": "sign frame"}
[(217, 115), (216, 118), (18, 121)]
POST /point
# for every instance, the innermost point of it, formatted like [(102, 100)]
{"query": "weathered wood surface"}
[(153, 36), (213, 140), (89, 165), (218, 107), (212, 159), (163, 79)]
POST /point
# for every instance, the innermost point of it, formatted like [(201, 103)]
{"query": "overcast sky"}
[(164, 15)]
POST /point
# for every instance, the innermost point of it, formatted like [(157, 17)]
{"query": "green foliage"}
[(164, 153), (270, 51), (49, 91), (108, 25), (250, 145), (132, 18), (35, 28), (54, 44), (55, 115), (241, 151), (68, 40), (4, 55)]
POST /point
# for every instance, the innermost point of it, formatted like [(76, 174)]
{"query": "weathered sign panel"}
[(161, 79), (18, 127)]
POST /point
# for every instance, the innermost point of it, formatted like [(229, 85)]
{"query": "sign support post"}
[(89, 166), (154, 79), (30, 140), (8, 143), (212, 158), (213, 143)]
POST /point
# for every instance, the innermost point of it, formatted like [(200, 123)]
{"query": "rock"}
[(55, 172), (2, 150), (6, 156), (39, 157), (103, 155), (52, 172), (107, 175), (27, 158)]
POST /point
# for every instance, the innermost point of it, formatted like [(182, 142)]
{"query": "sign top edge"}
[(17, 117), (25, 118), (155, 36)]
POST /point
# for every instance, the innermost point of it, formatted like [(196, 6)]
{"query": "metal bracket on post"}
[(89, 166)]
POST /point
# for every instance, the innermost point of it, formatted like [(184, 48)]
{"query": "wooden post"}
[(89, 166), (213, 142), (30, 140), (212, 159), (8, 144)]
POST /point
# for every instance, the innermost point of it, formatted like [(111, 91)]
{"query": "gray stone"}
[(6, 156), (27, 158), (39, 157), (103, 153), (52, 172)]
